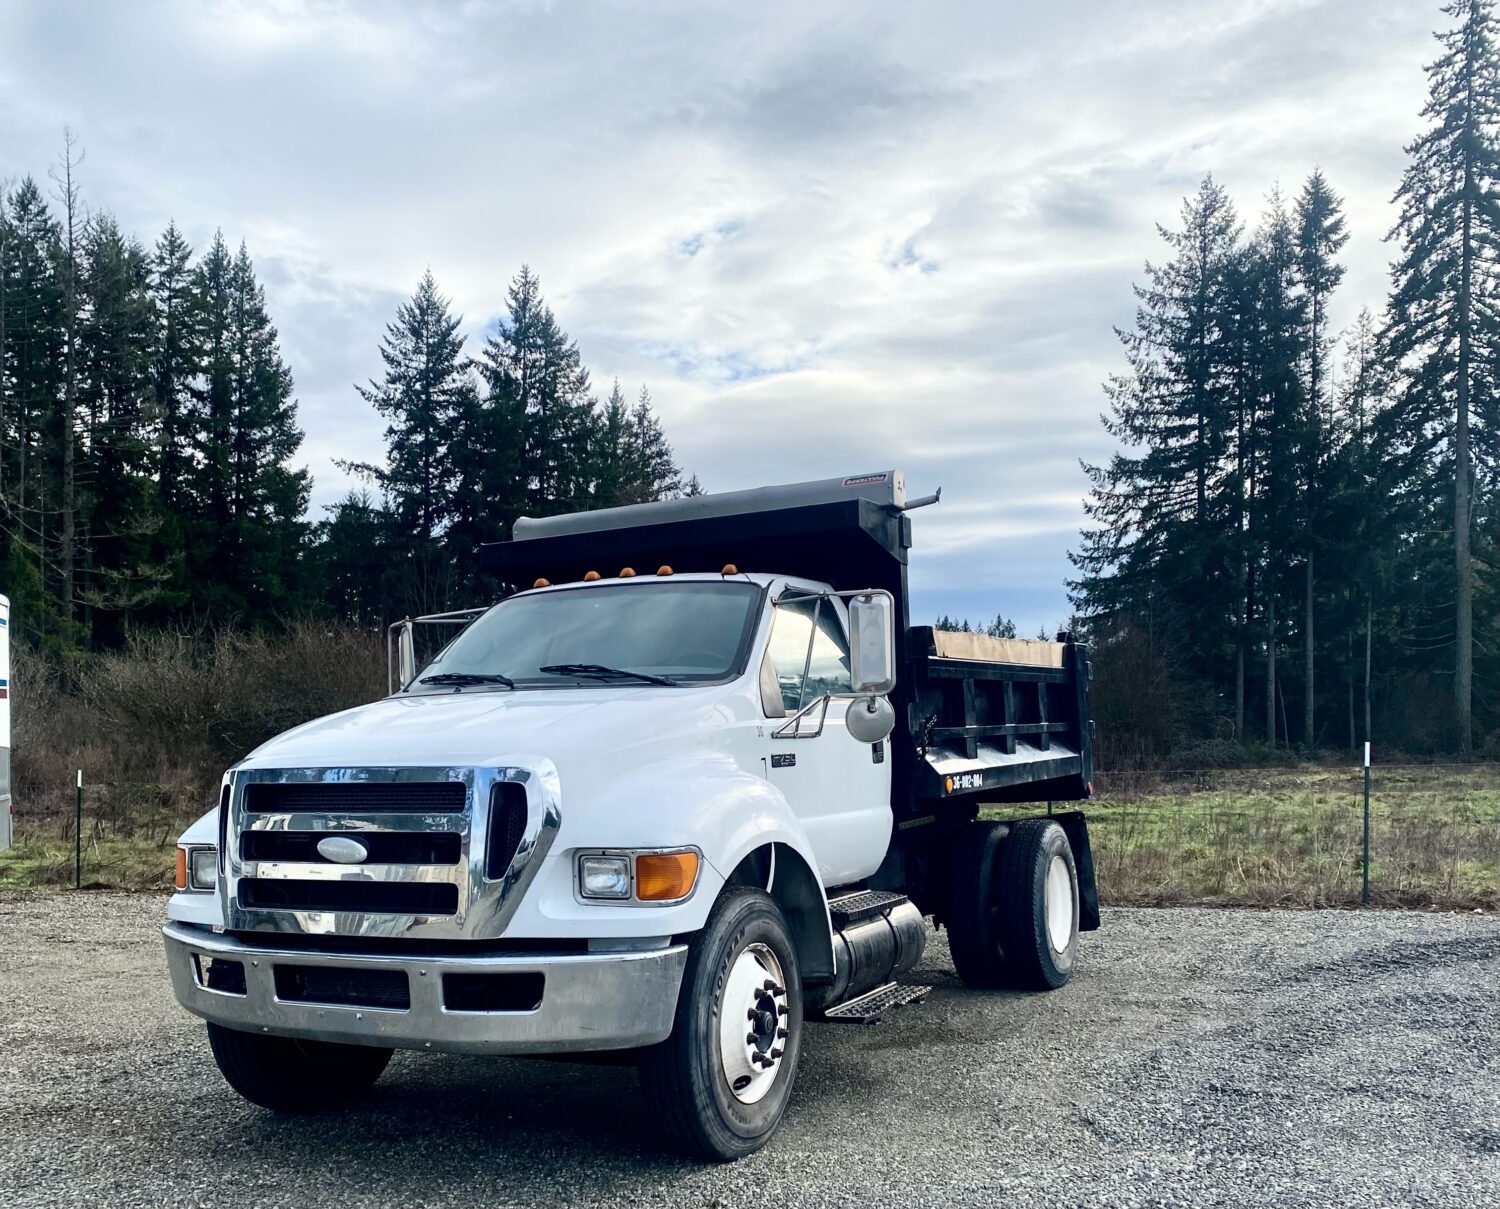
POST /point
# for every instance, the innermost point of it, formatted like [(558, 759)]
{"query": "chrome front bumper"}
[(589, 1001)]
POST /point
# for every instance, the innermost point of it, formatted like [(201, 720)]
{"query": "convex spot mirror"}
[(872, 643), (870, 719)]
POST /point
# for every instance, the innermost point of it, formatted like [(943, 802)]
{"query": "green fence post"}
[(78, 835), (1365, 892)]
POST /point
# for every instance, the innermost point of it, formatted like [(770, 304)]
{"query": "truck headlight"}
[(203, 868), (604, 876)]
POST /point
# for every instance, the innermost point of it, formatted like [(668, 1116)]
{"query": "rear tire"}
[(1038, 885), (291, 1076), (1011, 907), (719, 1085)]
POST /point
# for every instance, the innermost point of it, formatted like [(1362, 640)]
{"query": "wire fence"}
[(1263, 836)]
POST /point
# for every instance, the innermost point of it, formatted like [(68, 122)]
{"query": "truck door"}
[(839, 787)]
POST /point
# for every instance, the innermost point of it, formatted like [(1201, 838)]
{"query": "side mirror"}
[(406, 654), (870, 719), (872, 643)]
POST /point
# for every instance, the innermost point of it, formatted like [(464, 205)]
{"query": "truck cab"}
[(691, 785)]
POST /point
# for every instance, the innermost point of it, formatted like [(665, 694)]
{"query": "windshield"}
[(685, 632)]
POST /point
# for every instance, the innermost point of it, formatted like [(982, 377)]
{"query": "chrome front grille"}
[(450, 850)]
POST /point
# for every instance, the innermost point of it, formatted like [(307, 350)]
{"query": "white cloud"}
[(829, 237)]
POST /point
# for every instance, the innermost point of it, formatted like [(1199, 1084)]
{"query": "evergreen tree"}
[(535, 376), (1320, 235), (1277, 521), (1444, 329), (30, 385), (425, 391), (656, 473), (175, 362), (246, 527), (354, 561), (1162, 538), (117, 500)]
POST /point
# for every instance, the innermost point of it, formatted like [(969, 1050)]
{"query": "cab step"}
[(862, 904), (872, 1005)]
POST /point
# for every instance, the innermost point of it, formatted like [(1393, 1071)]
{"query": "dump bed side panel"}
[(1011, 731)]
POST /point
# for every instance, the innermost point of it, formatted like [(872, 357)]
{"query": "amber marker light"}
[(179, 879), (590, 576), (730, 569), (542, 583), (662, 877), (664, 569), (627, 573)]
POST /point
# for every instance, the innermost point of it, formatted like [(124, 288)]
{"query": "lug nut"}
[(750, 1038), (781, 1033), (775, 1053), (751, 1014)]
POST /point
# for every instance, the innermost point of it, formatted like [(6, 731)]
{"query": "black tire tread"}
[(277, 1073), (682, 1110), (972, 942), (1020, 937)]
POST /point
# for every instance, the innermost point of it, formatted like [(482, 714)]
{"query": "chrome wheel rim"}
[(1059, 905), (753, 1028)]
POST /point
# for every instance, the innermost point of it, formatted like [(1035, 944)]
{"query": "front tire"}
[(720, 1083), (291, 1076)]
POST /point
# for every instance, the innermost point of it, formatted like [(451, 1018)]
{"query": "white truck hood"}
[(487, 727)]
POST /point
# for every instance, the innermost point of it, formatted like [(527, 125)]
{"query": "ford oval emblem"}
[(343, 849)]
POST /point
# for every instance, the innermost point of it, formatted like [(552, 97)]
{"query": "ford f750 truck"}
[(692, 784)]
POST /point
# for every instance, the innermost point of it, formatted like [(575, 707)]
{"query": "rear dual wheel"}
[(1011, 906)]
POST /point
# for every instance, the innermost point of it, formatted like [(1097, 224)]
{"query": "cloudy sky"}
[(830, 237)]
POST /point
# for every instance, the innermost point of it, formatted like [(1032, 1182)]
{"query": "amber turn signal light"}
[(179, 878), (665, 876)]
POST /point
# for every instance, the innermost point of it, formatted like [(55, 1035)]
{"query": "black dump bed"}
[(977, 719)]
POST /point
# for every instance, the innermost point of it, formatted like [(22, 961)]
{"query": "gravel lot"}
[(1198, 1058)]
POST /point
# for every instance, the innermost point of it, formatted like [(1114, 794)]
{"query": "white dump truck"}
[(690, 786)]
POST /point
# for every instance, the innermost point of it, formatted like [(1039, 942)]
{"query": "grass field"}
[(1294, 837), (1271, 837)]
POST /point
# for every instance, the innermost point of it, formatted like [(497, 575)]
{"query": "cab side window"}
[(793, 624)]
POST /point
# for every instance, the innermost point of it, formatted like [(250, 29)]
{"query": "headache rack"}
[(978, 719)]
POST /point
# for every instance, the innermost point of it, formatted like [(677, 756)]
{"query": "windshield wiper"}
[(462, 678), (597, 671)]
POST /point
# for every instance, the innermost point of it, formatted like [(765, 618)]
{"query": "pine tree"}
[(1162, 538), (1320, 235), (175, 361), (535, 375), (117, 503), (354, 560), (1281, 415), (657, 474), (30, 368), (69, 253), (614, 474), (1444, 329), (247, 523), (426, 389)]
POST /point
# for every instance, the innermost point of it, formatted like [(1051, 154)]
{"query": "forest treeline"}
[(1296, 543), (148, 438)]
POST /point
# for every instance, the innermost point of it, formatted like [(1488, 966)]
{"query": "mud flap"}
[(1077, 830)]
